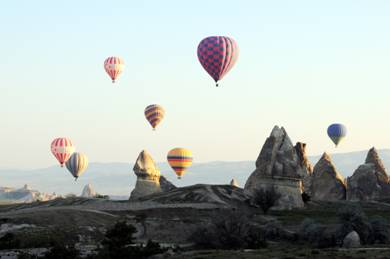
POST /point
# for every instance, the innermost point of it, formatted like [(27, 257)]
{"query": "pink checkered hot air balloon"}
[(217, 54), (62, 149), (114, 67)]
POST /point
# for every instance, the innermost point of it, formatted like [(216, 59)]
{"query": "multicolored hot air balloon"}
[(337, 132), (114, 67), (217, 54), (154, 114), (62, 149), (77, 164), (179, 159)]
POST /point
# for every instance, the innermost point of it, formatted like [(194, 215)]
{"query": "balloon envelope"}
[(337, 132), (154, 114), (180, 159), (62, 149), (114, 67), (217, 54), (77, 164)]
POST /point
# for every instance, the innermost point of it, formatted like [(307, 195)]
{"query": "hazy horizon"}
[(131, 162), (119, 178)]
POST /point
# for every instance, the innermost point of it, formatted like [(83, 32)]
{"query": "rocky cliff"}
[(283, 166), (370, 180), (326, 182)]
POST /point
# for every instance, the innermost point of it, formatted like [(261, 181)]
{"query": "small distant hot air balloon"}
[(337, 132), (217, 54), (62, 149), (114, 67), (77, 164), (154, 114), (179, 159)]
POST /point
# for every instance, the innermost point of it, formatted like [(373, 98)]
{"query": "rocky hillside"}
[(23, 195)]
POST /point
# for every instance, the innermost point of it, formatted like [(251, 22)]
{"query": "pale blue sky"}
[(302, 64)]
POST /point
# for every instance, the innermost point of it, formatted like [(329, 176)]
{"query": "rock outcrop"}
[(148, 176), (200, 196), (166, 185), (283, 166), (327, 184), (234, 183), (88, 192), (370, 180), (352, 240), (24, 195)]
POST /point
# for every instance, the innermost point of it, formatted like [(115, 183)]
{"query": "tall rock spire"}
[(327, 184)]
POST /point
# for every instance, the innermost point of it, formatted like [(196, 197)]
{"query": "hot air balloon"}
[(154, 114), (337, 132), (62, 149), (114, 67), (179, 159), (217, 54), (77, 164)]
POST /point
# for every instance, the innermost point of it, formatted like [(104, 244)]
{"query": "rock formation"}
[(352, 240), (327, 184), (370, 180), (234, 183), (148, 176), (24, 195), (88, 192), (166, 185), (149, 180), (283, 166)]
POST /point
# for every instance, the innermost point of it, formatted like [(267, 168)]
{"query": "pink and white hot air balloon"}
[(114, 67), (62, 149)]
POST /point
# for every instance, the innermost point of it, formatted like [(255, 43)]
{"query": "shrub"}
[(63, 252), (273, 230), (101, 196), (119, 243), (353, 218), (117, 240), (317, 235), (380, 231), (9, 241), (228, 232), (265, 198), (151, 248), (306, 197), (255, 239)]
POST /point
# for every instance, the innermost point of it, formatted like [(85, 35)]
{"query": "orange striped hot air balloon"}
[(180, 159), (62, 149), (154, 114), (114, 67)]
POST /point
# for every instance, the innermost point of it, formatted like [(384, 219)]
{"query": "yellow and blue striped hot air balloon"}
[(77, 164), (154, 113), (179, 159)]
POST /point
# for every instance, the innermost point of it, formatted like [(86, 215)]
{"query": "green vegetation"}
[(265, 198), (119, 243), (232, 231), (287, 252)]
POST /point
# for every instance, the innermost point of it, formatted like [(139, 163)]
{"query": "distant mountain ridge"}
[(118, 179)]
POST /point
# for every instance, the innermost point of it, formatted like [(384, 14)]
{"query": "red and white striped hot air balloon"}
[(114, 67), (62, 149)]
